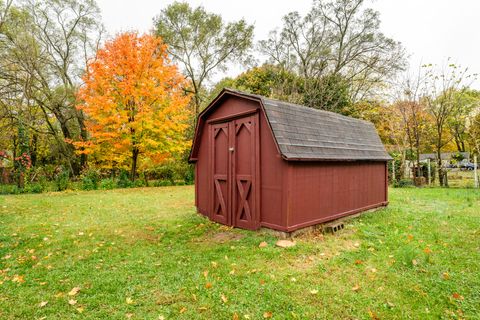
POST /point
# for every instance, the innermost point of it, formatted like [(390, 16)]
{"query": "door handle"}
[(231, 149)]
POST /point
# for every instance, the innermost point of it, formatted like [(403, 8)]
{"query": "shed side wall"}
[(273, 175), (201, 176), (321, 192)]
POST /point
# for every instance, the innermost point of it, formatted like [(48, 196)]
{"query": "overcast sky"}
[(430, 30)]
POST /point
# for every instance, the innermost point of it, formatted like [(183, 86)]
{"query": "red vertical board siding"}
[(202, 176), (323, 191), (272, 170), (232, 106)]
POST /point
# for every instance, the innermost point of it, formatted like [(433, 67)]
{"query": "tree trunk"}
[(133, 170), (439, 167), (70, 149), (33, 150), (419, 172), (83, 136)]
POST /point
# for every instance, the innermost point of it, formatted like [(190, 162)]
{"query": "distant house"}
[(445, 156)]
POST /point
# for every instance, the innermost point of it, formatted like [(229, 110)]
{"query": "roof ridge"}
[(303, 107)]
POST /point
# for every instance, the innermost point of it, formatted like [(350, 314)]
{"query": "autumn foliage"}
[(135, 104)]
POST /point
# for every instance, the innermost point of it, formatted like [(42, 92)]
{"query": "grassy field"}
[(145, 254)]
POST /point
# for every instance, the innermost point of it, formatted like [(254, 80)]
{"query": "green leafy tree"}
[(331, 91), (440, 91), (466, 102), (45, 45), (474, 132), (202, 43)]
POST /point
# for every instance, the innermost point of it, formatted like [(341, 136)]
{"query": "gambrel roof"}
[(303, 133)]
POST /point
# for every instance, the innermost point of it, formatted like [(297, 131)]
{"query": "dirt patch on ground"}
[(327, 245), (226, 236)]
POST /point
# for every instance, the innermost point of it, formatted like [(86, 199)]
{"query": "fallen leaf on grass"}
[(235, 316), (314, 291), (74, 291), (72, 302), (208, 285), (373, 315), (129, 300), (80, 309), (43, 304), (267, 314), (358, 261), (224, 299), (427, 250), (445, 276), (263, 244), (183, 310), (356, 288), (17, 278), (457, 296)]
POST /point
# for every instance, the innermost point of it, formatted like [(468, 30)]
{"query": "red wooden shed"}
[(267, 163)]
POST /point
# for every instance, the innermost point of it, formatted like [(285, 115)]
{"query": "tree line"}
[(74, 99)]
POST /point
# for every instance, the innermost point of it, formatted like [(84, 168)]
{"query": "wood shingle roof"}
[(304, 133)]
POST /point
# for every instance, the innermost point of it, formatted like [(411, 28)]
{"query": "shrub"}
[(9, 189), (62, 179), (403, 183), (90, 180), (107, 184), (189, 175), (123, 180), (34, 188), (139, 183), (167, 172), (163, 183)]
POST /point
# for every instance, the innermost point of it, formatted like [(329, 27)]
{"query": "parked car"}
[(467, 165)]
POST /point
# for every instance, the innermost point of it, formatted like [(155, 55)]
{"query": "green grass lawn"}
[(146, 254)]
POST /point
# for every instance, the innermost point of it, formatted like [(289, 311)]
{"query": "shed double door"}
[(234, 167)]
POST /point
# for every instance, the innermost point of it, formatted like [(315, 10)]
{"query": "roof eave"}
[(334, 159)]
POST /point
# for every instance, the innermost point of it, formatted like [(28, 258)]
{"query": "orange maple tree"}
[(134, 102)]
